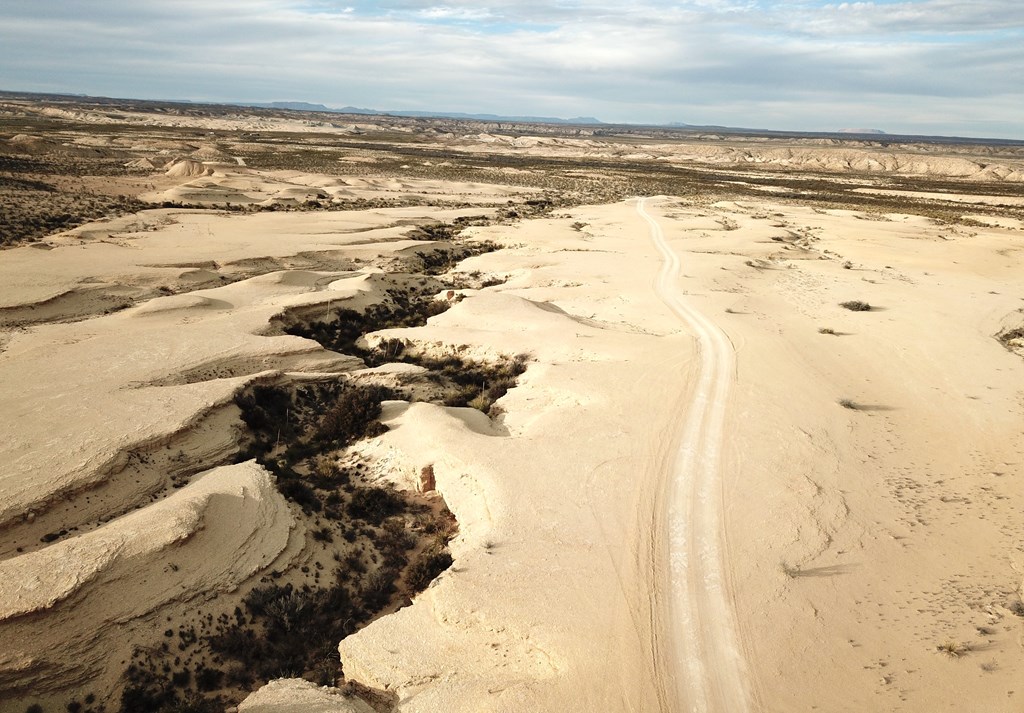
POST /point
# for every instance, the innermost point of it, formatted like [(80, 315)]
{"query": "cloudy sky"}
[(953, 67)]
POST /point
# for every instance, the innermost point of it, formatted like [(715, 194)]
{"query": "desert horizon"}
[(584, 125), (339, 413)]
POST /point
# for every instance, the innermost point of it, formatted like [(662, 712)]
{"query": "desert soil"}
[(713, 489)]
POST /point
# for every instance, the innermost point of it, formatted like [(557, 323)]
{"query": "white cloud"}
[(796, 64), (922, 16)]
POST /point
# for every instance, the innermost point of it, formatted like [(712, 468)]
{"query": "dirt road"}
[(707, 663)]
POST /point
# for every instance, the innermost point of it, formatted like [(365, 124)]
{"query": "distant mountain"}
[(293, 106), (860, 131), (493, 117), (306, 106)]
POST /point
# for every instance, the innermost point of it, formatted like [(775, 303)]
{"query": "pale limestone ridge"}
[(831, 155), (294, 695), (207, 537)]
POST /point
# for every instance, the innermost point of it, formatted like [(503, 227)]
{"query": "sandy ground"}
[(855, 546), (674, 511)]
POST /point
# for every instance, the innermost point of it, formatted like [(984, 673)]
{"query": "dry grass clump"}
[(856, 306), (954, 649), (790, 570)]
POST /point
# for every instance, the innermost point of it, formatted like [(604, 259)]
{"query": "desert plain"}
[(312, 412)]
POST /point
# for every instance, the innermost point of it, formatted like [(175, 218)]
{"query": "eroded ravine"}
[(178, 667)]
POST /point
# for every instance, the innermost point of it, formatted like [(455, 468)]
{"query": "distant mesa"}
[(860, 131), (306, 106), (293, 106)]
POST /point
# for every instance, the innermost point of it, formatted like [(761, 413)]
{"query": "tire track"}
[(706, 659)]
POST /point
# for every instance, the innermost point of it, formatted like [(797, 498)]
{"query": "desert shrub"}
[(353, 416), (856, 306), (389, 349), (326, 671), (477, 384), (236, 642), (145, 692), (377, 587), (323, 534), (848, 403), (266, 410), (438, 262), (299, 493), (405, 308), (208, 679), (374, 505), (353, 563), (954, 649), (396, 536), (295, 628), (258, 599), (427, 567), (238, 676)]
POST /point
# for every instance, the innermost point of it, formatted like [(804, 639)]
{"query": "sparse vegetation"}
[(44, 195), (826, 330), (954, 649), (437, 262), (372, 546), (409, 306), (430, 563), (856, 306), (370, 532), (459, 381), (380, 553), (790, 570), (1016, 606)]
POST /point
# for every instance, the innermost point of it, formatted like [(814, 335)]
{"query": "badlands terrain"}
[(345, 414)]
